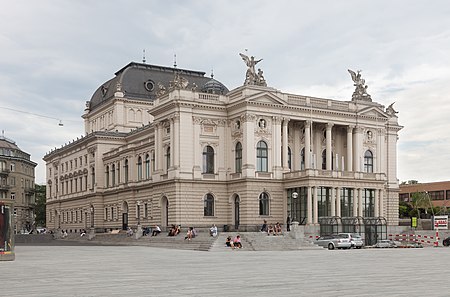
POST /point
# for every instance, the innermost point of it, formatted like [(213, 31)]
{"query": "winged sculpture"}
[(360, 92), (251, 76)]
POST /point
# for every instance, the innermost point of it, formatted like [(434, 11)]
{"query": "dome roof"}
[(214, 87), (8, 143), (140, 81)]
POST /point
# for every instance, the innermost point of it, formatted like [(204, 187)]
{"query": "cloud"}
[(56, 53)]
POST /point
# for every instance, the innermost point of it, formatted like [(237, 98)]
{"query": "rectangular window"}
[(13, 196), (436, 195), (297, 204), (369, 203), (404, 197), (346, 202), (324, 201)]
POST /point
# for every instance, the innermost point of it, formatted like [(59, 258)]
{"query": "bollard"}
[(6, 231)]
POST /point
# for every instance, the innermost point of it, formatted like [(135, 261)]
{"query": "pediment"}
[(266, 98), (373, 112)]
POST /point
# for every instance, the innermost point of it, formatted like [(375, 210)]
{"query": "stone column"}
[(349, 148), (176, 141), (360, 202), (248, 145), (197, 168), (315, 207), (158, 146), (355, 202), (376, 206), (381, 204), (333, 201), (308, 163), (309, 207), (357, 153), (277, 143), (172, 144), (338, 201), (285, 144), (329, 152)]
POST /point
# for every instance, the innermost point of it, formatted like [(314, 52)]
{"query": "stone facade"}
[(196, 157), (17, 184)]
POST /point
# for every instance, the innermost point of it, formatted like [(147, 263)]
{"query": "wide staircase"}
[(251, 241), (260, 241)]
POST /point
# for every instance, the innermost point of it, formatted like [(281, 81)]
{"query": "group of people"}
[(234, 243), (174, 230), (191, 233), (272, 229)]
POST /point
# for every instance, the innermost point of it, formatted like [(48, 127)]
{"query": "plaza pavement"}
[(78, 270)]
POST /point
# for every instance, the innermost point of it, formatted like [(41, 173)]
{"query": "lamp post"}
[(294, 209), (139, 228), (92, 231)]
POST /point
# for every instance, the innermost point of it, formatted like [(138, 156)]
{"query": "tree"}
[(404, 209), (420, 200), (40, 205)]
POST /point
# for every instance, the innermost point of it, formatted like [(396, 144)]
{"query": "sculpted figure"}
[(360, 92), (251, 77)]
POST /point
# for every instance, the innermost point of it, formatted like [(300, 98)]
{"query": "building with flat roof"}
[(171, 146), (17, 183), (437, 192)]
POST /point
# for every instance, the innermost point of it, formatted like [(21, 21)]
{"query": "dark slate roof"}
[(8, 143), (137, 79)]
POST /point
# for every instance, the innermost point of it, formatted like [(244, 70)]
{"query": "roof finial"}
[(212, 73), (175, 60), (143, 55)]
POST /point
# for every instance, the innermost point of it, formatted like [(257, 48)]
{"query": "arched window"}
[(106, 176), (302, 159), (153, 161), (208, 159), (208, 205), (238, 157), (118, 172), (263, 204), (289, 158), (168, 158), (368, 161), (125, 170), (113, 174), (261, 156), (139, 168), (324, 159), (147, 166)]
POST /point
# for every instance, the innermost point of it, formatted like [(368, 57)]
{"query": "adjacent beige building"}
[(17, 184), (170, 146)]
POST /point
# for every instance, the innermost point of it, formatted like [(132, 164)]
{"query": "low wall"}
[(32, 238)]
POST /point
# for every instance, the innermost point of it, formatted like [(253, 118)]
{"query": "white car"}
[(355, 239), (333, 241)]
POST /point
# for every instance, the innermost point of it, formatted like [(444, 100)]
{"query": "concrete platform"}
[(146, 271)]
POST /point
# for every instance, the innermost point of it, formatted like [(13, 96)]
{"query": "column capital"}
[(350, 128), (308, 124), (277, 120), (286, 120), (248, 117), (330, 125), (359, 129)]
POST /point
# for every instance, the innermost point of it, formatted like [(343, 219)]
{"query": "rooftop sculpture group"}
[(251, 76), (360, 92)]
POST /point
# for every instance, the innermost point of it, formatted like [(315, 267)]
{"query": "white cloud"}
[(54, 54)]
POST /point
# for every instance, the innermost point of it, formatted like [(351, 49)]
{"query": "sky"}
[(55, 54)]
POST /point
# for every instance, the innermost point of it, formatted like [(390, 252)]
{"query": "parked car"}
[(385, 243), (446, 242), (334, 241), (355, 239)]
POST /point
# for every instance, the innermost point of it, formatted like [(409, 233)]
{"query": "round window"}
[(149, 85)]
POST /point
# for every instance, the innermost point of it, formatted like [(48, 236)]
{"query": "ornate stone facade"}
[(233, 159)]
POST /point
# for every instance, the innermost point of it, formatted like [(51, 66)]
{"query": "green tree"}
[(404, 209), (420, 200), (40, 205)]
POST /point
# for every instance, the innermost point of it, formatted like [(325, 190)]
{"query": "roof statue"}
[(390, 110), (360, 92), (251, 76)]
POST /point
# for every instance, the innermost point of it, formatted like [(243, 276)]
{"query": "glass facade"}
[(346, 202), (324, 201), (297, 207), (368, 200)]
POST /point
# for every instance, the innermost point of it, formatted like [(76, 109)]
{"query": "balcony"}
[(4, 172), (4, 188), (343, 175)]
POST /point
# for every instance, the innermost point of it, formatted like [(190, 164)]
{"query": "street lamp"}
[(294, 208)]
